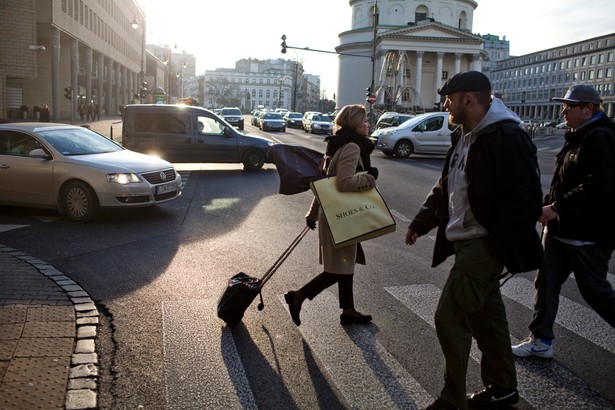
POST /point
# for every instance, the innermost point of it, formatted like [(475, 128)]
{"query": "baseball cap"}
[(468, 81), (580, 93)]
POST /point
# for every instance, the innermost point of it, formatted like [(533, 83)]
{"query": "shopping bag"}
[(352, 216)]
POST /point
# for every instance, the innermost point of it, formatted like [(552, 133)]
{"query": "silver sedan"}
[(78, 171)]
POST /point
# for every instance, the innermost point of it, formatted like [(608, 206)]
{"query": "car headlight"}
[(123, 178)]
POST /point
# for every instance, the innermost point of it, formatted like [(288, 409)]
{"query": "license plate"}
[(163, 189)]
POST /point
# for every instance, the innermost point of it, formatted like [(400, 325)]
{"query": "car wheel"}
[(403, 149), (284, 129), (305, 129), (79, 202), (253, 160)]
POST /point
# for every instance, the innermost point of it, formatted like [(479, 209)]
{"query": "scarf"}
[(343, 137)]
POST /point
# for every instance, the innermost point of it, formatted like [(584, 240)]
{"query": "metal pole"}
[(372, 84)]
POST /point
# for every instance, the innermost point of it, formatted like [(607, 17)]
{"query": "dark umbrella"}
[(297, 166)]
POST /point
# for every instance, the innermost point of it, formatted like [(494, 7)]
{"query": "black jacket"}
[(583, 185), (504, 193)]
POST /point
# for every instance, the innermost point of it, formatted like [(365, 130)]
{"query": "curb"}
[(82, 387)]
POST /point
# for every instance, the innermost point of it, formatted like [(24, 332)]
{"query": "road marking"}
[(542, 383), (203, 369), (573, 316), (399, 216), (376, 379)]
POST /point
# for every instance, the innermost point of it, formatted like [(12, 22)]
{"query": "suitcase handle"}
[(283, 257)]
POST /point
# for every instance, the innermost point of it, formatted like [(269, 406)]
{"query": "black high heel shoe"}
[(355, 319), (289, 297)]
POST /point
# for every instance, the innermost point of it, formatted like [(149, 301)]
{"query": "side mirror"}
[(39, 153), (228, 133)]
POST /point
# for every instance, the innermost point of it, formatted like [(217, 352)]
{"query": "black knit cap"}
[(468, 81)]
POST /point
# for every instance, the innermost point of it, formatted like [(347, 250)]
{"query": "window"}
[(17, 144)]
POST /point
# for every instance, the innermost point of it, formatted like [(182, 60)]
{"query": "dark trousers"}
[(326, 279), (471, 306), (590, 264)]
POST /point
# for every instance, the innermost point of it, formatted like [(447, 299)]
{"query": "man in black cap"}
[(485, 206), (578, 219)]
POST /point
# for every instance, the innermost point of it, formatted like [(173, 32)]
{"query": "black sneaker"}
[(493, 397), (441, 404)]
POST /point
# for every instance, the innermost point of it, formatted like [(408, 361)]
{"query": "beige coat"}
[(343, 165)]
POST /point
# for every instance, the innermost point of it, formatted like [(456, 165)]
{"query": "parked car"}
[(272, 121), (190, 134), (392, 119), (78, 171), (424, 134), (305, 117), (293, 120), (233, 116), (318, 123)]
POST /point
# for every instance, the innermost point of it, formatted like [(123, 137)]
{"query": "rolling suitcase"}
[(242, 289)]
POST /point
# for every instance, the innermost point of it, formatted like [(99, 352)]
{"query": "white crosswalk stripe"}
[(544, 384), (571, 315), (202, 367), (377, 380)]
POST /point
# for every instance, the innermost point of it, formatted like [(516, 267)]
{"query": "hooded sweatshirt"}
[(462, 224)]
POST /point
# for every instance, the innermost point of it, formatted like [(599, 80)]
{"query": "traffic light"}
[(368, 92), (144, 89), (283, 44), (68, 93)]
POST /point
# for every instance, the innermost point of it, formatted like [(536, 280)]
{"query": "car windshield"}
[(295, 115), (273, 116), (231, 111), (79, 141), (321, 118)]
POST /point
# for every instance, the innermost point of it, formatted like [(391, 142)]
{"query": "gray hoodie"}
[(462, 225)]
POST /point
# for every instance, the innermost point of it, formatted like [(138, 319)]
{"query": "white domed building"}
[(418, 45)]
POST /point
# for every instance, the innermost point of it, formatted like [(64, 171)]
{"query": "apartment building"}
[(90, 50), (527, 83), (252, 83)]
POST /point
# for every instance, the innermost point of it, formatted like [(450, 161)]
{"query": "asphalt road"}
[(156, 275)]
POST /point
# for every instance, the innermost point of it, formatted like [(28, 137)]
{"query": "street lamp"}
[(142, 83)]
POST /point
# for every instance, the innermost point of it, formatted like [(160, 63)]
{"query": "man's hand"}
[(411, 236)]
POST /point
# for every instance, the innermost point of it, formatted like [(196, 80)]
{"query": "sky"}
[(219, 32)]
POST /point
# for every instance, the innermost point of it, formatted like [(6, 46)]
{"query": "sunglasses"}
[(567, 107)]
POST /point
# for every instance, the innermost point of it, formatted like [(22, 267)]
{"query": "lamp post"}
[(142, 83)]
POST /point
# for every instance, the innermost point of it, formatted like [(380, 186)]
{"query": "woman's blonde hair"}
[(350, 117)]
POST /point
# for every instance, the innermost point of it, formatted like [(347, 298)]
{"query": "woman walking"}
[(347, 153)]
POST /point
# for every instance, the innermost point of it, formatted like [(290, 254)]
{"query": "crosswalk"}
[(204, 370)]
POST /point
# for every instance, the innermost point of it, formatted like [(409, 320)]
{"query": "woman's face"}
[(363, 128)]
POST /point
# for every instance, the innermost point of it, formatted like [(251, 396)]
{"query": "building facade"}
[(417, 46), (527, 83), (495, 50), (253, 83), (90, 50)]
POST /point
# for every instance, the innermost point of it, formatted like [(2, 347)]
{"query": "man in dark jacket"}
[(485, 206), (578, 214)]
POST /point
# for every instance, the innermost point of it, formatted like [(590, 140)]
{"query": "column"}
[(440, 58), (475, 65), (458, 63), (74, 71), (101, 83), (118, 91), (88, 75), (419, 75), (55, 74), (109, 96)]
